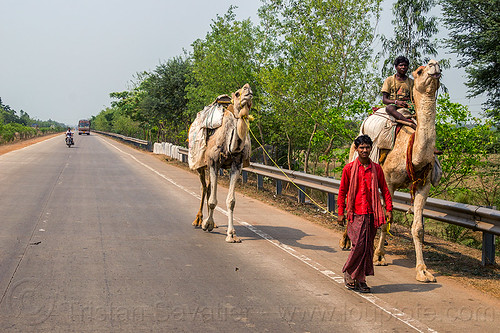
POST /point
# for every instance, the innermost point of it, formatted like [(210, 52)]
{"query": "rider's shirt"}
[(400, 90)]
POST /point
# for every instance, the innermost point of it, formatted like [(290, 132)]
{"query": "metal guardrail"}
[(143, 144), (477, 218), (469, 216)]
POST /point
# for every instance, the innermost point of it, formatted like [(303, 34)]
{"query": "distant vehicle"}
[(84, 127)]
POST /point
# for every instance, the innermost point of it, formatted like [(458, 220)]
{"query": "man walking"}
[(360, 182)]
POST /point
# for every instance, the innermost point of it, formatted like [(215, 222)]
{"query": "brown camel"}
[(426, 84), (228, 148)]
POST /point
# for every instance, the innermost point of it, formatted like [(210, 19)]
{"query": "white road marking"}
[(379, 303)]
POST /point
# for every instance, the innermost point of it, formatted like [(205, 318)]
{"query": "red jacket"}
[(362, 202)]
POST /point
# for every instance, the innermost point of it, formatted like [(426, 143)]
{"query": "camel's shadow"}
[(403, 263), (286, 235), (402, 287), (219, 230)]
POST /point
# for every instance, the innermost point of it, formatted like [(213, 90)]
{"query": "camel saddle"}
[(382, 128), (207, 120)]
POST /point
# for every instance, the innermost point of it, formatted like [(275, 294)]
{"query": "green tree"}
[(123, 124), (157, 102), (223, 61), (7, 114), (413, 32), (13, 126), (464, 141), (474, 36), (24, 118), (164, 99), (319, 63), (103, 121)]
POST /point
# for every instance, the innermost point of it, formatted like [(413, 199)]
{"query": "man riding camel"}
[(397, 93)]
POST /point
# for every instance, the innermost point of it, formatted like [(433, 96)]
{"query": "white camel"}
[(228, 148)]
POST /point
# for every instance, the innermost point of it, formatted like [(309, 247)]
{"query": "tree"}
[(163, 101), (464, 140), (103, 121), (474, 36), (157, 102), (319, 63), (413, 31), (24, 118), (7, 114), (223, 62)]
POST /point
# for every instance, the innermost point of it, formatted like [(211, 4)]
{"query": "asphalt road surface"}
[(98, 238)]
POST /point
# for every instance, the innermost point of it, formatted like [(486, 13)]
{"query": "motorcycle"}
[(69, 140)]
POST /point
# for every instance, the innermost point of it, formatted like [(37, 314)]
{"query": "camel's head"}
[(242, 101), (426, 78)]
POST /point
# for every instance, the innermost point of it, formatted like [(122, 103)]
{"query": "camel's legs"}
[(199, 217), (208, 224), (345, 242), (230, 202), (417, 231), (379, 254)]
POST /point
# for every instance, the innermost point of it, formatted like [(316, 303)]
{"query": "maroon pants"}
[(361, 232)]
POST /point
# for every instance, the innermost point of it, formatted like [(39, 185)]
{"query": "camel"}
[(228, 148), (426, 84)]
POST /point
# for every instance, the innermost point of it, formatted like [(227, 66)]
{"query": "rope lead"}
[(281, 170)]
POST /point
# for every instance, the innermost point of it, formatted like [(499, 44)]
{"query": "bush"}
[(13, 131)]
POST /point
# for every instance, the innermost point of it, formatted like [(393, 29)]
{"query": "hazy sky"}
[(60, 59)]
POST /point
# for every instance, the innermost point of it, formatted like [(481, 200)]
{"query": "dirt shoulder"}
[(8, 147)]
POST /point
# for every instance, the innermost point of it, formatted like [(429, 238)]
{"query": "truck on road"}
[(84, 127)]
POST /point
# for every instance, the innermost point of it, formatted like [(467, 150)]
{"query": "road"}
[(98, 238)]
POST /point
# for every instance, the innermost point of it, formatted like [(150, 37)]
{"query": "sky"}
[(60, 59)]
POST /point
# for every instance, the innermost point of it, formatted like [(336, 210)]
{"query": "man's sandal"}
[(350, 285), (362, 287), (349, 282)]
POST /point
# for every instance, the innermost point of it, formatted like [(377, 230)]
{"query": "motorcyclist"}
[(69, 134)]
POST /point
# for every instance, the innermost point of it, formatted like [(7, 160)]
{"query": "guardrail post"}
[(301, 196), (488, 248), (221, 172), (260, 182), (331, 202), (244, 176), (184, 158), (279, 187), (488, 257)]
